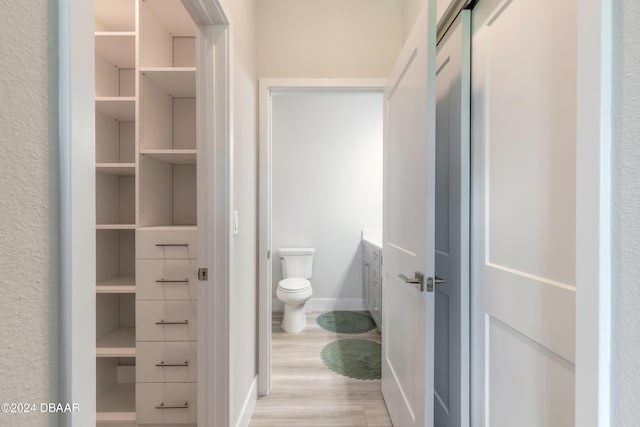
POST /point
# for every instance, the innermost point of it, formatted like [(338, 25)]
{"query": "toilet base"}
[(294, 319)]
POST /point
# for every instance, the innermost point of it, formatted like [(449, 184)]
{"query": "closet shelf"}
[(117, 285), (120, 169), (122, 108), (176, 157), (115, 227), (179, 82), (117, 47), (118, 405), (119, 343)]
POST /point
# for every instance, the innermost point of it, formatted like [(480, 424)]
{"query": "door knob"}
[(418, 279)]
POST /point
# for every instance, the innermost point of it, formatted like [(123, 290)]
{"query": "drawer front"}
[(167, 244), (166, 362), (166, 279), (151, 396), (376, 257), (166, 321)]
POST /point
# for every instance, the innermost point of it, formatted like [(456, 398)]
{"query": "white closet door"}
[(524, 212), (451, 381)]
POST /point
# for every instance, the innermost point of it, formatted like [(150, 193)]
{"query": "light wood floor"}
[(305, 393)]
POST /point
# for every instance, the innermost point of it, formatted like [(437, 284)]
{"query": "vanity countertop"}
[(372, 237)]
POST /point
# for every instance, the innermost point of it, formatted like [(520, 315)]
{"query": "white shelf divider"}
[(117, 47), (115, 226), (117, 285), (119, 343), (176, 157), (179, 82), (120, 169), (121, 108)]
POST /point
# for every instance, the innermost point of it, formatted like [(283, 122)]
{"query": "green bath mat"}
[(346, 322), (353, 358)]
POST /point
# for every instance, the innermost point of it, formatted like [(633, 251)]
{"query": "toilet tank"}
[(296, 262)]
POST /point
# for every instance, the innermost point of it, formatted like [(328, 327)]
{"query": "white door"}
[(524, 212), (408, 232), (451, 382)]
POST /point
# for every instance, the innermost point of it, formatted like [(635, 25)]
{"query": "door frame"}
[(593, 213), (266, 88), (76, 103)]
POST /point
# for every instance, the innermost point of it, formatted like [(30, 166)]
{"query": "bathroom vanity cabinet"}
[(372, 279), (146, 284)]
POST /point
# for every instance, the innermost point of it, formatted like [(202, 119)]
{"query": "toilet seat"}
[(294, 284)]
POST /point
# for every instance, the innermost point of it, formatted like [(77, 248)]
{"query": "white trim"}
[(267, 86), (77, 211), (326, 304), (593, 214), (248, 405), (214, 205)]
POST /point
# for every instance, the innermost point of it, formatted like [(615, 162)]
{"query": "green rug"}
[(353, 358), (346, 322)]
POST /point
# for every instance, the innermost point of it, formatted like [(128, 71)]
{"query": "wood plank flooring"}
[(305, 393)]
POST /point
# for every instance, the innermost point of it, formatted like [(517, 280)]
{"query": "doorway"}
[(321, 187)]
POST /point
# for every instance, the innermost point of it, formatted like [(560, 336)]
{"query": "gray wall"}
[(29, 201), (626, 217), (327, 185)]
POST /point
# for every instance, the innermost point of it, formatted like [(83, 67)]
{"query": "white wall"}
[(626, 220), (29, 213), (327, 184), (328, 38), (243, 284)]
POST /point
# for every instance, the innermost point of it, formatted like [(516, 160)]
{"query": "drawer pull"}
[(163, 322), (162, 364), (161, 245), (163, 406), (172, 281)]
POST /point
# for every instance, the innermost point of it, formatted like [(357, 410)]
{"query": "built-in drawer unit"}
[(166, 403), (166, 321), (167, 279), (167, 243), (166, 362)]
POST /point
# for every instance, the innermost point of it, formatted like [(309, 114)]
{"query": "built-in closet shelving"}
[(146, 281), (116, 172)]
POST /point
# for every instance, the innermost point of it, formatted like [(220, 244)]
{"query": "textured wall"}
[(28, 206), (244, 276), (626, 194), (328, 38), (326, 202)]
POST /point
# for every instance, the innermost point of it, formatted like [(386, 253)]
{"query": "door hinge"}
[(203, 274)]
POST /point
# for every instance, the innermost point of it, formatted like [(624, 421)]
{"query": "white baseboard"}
[(327, 304), (248, 405)]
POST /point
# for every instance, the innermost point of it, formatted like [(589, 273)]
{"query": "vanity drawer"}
[(167, 244), (166, 362), (166, 403), (166, 279), (166, 321)]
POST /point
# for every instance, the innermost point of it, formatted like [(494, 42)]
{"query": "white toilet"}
[(294, 290)]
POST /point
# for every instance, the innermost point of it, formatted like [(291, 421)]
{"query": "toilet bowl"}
[(294, 290)]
